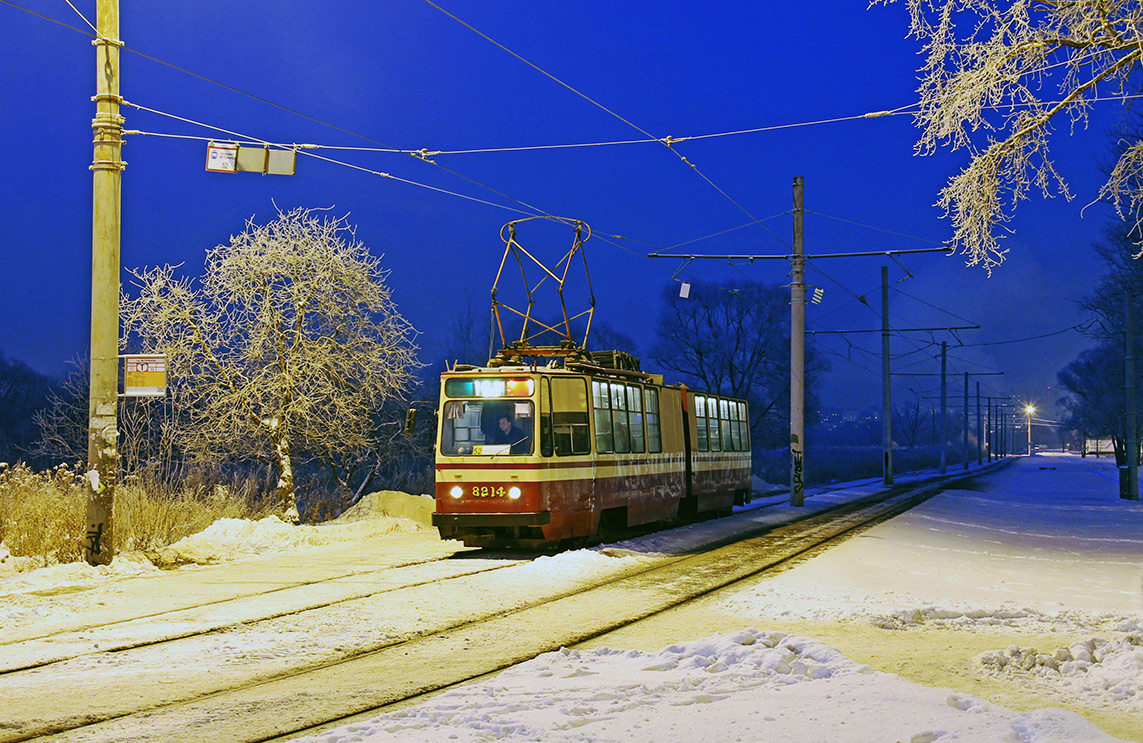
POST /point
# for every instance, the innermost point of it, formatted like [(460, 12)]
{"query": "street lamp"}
[(1028, 410)]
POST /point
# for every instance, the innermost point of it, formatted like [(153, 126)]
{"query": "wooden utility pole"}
[(798, 352), (886, 386), (107, 166)]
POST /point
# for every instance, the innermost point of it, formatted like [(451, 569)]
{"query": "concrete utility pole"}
[(979, 429), (798, 352), (1130, 489), (886, 386), (966, 420), (107, 167), (944, 404), (798, 328)]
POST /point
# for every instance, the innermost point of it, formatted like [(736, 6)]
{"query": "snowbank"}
[(747, 686), (232, 539), (61, 578), (1096, 672)]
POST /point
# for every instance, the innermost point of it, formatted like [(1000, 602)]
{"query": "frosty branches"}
[(292, 340), (1008, 72)]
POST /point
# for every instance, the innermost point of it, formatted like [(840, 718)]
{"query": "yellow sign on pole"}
[(145, 375)]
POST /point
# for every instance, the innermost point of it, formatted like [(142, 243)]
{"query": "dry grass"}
[(42, 513)]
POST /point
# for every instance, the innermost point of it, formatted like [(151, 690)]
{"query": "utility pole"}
[(966, 420), (107, 167), (944, 403), (798, 351), (797, 326), (886, 387), (979, 429), (988, 428), (1130, 489)]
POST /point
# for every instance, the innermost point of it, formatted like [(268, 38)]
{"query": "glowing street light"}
[(1028, 410)]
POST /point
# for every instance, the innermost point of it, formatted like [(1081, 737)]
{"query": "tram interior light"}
[(490, 387), (519, 387), (501, 387)]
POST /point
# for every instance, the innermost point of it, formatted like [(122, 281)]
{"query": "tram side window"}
[(635, 413), (745, 418), (712, 418), (654, 435), (700, 422), (619, 425), (724, 425), (735, 427), (604, 441), (571, 433)]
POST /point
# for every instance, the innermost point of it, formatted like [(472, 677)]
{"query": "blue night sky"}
[(403, 74)]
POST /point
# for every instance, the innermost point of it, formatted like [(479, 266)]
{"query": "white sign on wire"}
[(222, 157)]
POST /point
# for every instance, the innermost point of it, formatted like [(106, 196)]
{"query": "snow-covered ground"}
[(1038, 571)]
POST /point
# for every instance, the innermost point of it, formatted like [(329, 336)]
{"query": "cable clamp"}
[(118, 165), (424, 154), (98, 40)]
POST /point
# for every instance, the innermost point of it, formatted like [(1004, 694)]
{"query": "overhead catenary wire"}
[(901, 110), (875, 228), (667, 141), (424, 153), (302, 151)]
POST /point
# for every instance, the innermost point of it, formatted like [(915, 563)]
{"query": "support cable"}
[(81, 15), (667, 141)]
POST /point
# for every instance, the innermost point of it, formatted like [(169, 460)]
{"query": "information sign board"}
[(145, 375)]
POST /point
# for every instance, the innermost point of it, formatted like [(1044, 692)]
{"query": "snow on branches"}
[(290, 342), (997, 75)]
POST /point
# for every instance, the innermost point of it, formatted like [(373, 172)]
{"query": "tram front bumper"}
[(543, 518)]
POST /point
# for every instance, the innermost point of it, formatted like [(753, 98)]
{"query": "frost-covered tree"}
[(735, 340), (998, 75), (289, 343)]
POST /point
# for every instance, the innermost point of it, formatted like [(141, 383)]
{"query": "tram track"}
[(448, 651), (162, 627)]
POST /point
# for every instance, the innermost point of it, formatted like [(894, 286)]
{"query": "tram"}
[(541, 456)]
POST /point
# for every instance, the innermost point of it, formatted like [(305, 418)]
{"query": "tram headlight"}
[(456, 491), (514, 492)]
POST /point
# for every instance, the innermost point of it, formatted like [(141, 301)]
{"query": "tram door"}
[(566, 439)]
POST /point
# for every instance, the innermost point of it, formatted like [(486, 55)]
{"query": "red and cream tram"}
[(533, 456)]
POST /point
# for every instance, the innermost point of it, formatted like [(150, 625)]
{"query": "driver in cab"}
[(507, 432)]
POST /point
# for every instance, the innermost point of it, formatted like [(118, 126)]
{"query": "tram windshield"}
[(487, 427)]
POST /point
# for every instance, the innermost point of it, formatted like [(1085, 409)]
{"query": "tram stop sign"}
[(145, 375)]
